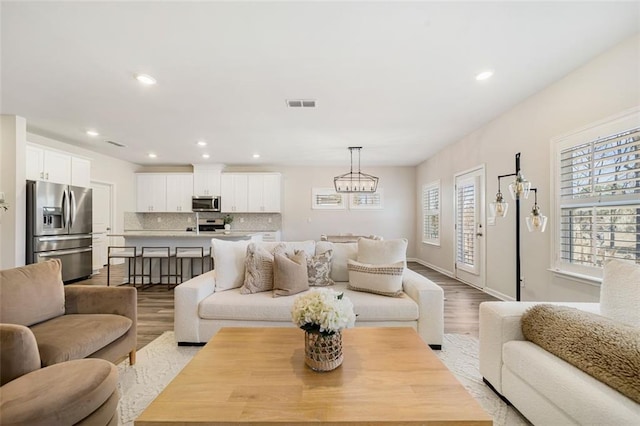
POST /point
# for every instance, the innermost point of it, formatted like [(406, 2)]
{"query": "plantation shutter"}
[(600, 200), (431, 213), (466, 225)]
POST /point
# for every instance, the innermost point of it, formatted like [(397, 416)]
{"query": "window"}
[(598, 196), (431, 213)]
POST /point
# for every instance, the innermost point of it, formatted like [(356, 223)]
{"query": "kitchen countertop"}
[(185, 234)]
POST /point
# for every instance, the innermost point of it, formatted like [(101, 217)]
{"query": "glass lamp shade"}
[(355, 182), (535, 221), (498, 208), (519, 187)]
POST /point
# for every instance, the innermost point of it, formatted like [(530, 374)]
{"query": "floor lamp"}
[(519, 188)]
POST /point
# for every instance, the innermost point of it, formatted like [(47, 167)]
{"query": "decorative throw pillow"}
[(379, 279), (620, 292), (228, 261), (289, 274), (382, 252), (342, 252), (258, 275), (318, 269)]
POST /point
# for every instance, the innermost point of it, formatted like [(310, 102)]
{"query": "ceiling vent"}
[(118, 144), (301, 103)]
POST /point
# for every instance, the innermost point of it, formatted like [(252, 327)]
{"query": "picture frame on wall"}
[(327, 199), (367, 200)]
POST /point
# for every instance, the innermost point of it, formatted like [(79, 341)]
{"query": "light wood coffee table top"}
[(258, 375)]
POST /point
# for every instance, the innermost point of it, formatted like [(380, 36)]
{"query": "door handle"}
[(479, 234)]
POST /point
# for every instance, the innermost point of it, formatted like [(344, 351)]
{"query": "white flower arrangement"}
[(323, 310)]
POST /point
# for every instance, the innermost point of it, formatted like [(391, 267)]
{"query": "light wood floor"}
[(155, 304)]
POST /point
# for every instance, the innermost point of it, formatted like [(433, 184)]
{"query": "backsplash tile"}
[(180, 221)]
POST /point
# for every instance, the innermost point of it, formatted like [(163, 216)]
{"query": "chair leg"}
[(108, 270), (132, 357)]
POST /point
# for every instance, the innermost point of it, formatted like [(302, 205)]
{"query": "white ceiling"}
[(395, 78)]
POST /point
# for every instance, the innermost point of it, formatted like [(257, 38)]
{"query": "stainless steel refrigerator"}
[(59, 225)]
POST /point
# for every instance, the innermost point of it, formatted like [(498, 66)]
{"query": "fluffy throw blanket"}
[(606, 349)]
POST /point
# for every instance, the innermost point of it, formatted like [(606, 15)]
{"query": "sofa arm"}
[(19, 354), (84, 299), (430, 300), (500, 323), (188, 296)]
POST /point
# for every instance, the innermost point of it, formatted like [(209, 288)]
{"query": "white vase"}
[(227, 227)]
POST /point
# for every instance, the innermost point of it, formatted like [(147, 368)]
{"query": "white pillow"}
[(620, 292), (342, 252), (379, 279), (290, 247), (382, 252), (228, 262)]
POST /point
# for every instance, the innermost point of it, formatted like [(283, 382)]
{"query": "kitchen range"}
[(59, 225)]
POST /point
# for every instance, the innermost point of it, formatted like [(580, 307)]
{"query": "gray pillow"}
[(319, 268)]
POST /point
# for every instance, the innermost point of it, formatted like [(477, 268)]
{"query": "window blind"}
[(600, 200), (431, 213), (466, 224)]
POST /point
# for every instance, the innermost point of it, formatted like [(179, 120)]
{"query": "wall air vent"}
[(118, 144), (301, 103)]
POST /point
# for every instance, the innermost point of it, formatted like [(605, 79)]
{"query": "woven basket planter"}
[(323, 353)]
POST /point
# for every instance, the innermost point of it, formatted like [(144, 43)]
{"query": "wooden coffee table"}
[(258, 376)]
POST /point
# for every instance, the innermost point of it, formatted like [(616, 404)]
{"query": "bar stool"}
[(159, 253), (125, 252), (190, 254)]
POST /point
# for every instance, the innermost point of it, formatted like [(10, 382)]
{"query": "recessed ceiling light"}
[(256, 155), (205, 155), (152, 155), (93, 133), (484, 75), (146, 79), (201, 143)]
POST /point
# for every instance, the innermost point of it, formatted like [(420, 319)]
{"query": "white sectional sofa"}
[(201, 308), (546, 389)]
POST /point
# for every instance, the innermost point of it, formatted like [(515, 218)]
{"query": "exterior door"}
[(102, 222), (469, 227)]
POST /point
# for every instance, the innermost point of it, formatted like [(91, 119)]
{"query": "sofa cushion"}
[(620, 292), (382, 252), (77, 336), (342, 252), (290, 274), (319, 269), (32, 294), (289, 247), (231, 305), (385, 280), (604, 348), (258, 274), (228, 261), (62, 394)]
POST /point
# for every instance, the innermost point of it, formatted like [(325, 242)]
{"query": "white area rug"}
[(161, 360)]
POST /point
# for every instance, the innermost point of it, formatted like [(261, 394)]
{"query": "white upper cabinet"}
[(206, 179), (251, 192), (50, 166), (179, 192), (233, 191), (164, 192), (80, 172), (264, 192)]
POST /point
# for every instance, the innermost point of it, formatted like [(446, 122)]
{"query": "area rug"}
[(161, 360)]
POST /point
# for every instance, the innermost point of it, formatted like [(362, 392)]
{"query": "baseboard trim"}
[(434, 267), (498, 294)]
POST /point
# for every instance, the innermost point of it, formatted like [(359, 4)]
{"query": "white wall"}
[(103, 169), (395, 220), (607, 85)]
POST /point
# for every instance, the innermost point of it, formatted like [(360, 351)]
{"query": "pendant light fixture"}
[(535, 221), (499, 207), (355, 181)]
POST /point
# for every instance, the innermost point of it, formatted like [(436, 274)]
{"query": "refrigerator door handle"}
[(58, 253), (73, 208), (65, 209)]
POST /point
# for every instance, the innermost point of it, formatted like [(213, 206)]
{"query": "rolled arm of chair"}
[(430, 299), (19, 354), (83, 299)]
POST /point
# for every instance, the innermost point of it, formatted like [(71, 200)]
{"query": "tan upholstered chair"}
[(69, 322), (78, 392)]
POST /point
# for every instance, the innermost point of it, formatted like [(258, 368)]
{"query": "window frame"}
[(619, 123), (435, 185)]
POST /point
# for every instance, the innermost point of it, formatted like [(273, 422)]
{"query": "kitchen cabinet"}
[(151, 195), (264, 192), (80, 172), (164, 192), (206, 179), (179, 192), (48, 165), (233, 192)]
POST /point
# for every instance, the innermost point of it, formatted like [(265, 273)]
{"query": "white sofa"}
[(200, 310), (544, 388)]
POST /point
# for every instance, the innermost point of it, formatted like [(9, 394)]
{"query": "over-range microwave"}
[(205, 203)]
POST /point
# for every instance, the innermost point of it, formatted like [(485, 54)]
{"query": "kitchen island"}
[(178, 239)]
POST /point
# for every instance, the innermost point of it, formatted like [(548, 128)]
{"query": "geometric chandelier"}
[(355, 181)]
